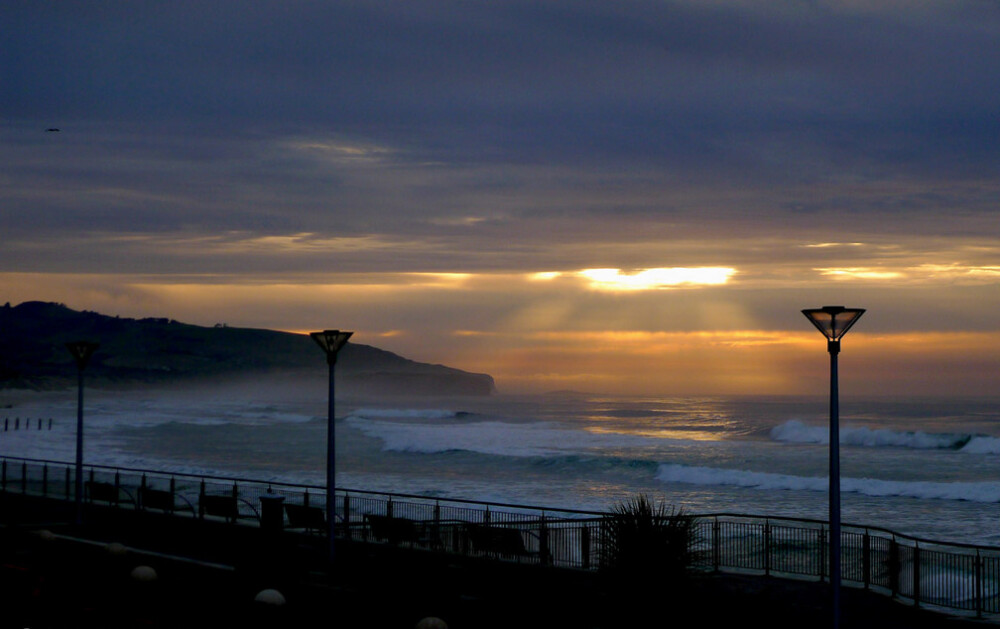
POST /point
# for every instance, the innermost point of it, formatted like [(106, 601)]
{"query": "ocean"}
[(925, 468)]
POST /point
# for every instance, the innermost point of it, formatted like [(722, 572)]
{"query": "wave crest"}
[(985, 492), (794, 431)]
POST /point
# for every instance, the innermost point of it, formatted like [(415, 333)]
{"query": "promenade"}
[(53, 574)]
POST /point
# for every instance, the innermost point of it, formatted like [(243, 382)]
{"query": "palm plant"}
[(646, 542)]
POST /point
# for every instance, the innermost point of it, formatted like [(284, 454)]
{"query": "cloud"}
[(409, 168)]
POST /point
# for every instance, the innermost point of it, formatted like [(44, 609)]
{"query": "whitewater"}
[(926, 468)]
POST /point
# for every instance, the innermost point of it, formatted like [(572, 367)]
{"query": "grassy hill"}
[(160, 351)]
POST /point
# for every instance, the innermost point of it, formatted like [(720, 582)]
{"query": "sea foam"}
[(491, 437), (406, 413), (794, 431), (986, 492)]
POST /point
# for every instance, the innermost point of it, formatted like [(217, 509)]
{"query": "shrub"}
[(647, 542)]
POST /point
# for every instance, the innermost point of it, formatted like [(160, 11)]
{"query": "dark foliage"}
[(647, 542)]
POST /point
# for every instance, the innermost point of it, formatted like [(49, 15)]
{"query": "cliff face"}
[(151, 351)]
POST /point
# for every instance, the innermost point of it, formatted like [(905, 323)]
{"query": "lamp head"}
[(82, 351), (833, 321), (331, 341)]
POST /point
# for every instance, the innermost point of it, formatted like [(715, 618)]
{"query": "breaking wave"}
[(491, 437), (985, 492), (795, 431)]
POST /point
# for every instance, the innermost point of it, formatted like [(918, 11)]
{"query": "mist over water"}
[(924, 468)]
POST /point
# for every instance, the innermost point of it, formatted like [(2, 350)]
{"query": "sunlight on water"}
[(921, 469)]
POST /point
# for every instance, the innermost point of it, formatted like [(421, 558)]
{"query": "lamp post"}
[(81, 351), (331, 341), (834, 322)]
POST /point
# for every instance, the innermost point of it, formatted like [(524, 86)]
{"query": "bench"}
[(220, 506), (305, 517), (107, 492), (498, 541), (395, 530), (162, 500)]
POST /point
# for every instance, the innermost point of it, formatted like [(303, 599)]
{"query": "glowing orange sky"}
[(550, 331), (637, 196)]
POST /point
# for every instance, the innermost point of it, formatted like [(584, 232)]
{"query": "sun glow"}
[(657, 278), (860, 274)]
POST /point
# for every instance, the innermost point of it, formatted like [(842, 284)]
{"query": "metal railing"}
[(945, 575)]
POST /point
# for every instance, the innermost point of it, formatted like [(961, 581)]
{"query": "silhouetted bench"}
[(220, 506), (393, 530), (397, 530), (498, 540), (107, 492), (305, 517), (162, 500)]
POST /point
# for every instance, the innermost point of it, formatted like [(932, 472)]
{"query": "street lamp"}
[(331, 341), (834, 322), (81, 351)]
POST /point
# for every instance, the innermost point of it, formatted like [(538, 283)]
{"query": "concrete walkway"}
[(207, 574)]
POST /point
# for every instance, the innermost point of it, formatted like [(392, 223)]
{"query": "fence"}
[(924, 572), (26, 425)]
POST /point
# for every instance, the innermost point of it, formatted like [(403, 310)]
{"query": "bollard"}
[(143, 574), (116, 549), (270, 597), (46, 535)]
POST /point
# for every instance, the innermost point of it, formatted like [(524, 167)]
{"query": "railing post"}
[(24, 477), (916, 574), (866, 558), (767, 548), (347, 509), (979, 585), (201, 500), (486, 515), (894, 566), (45, 480), (305, 498), (388, 507), (436, 525), (821, 533), (716, 544), (585, 545), (67, 484), (173, 490), (118, 486), (543, 542)]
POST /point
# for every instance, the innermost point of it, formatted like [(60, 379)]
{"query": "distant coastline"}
[(161, 351)]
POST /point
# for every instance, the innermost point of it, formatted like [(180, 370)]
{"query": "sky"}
[(633, 197)]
